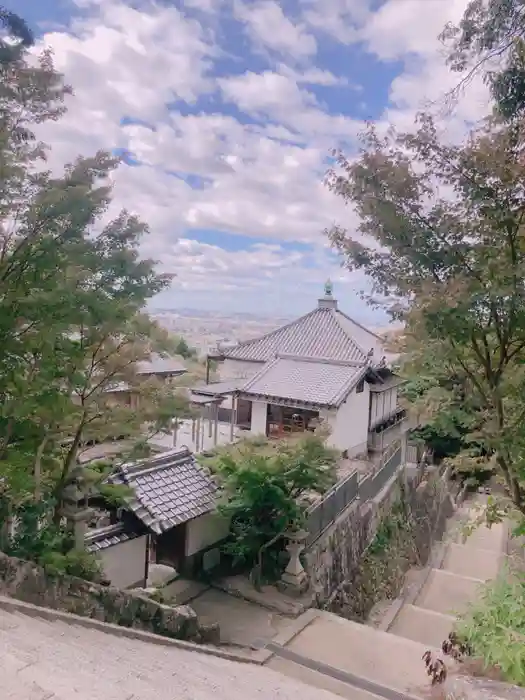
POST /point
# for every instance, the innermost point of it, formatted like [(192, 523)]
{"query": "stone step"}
[(448, 593), (424, 626), (364, 652), (319, 680), (483, 537), (464, 560)]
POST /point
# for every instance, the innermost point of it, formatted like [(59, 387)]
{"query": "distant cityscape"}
[(205, 330)]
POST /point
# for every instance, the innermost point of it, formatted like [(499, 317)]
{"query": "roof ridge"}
[(341, 395), (335, 314), (318, 360), (267, 365), (360, 325), (244, 343), (151, 464)]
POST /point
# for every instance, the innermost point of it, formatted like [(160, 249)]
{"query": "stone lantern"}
[(295, 579)]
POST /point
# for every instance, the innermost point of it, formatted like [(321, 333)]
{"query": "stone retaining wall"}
[(334, 561), (28, 582)]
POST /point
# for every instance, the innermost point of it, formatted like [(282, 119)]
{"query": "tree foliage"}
[(494, 627), (73, 329), (264, 489), (442, 231), (182, 348), (17, 37), (491, 37)]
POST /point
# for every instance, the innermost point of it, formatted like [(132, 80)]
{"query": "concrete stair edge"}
[(379, 634), (431, 613), (451, 574), (423, 625), (350, 679)]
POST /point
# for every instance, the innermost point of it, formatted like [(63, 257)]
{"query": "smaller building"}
[(163, 369), (169, 519)]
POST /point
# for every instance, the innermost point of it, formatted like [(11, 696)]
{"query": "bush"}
[(49, 545), (494, 627), (265, 488)]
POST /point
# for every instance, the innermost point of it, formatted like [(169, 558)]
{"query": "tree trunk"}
[(37, 470), (70, 457)]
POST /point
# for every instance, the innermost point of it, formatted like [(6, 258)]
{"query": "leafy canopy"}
[(491, 38), (264, 487), (73, 289), (442, 240)]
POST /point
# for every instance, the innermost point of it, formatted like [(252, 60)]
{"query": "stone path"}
[(45, 659), (347, 657)]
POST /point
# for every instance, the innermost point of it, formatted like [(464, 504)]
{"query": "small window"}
[(360, 387)]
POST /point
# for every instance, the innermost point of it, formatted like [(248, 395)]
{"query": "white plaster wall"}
[(205, 531), (349, 424), (227, 402), (124, 563), (259, 415), (232, 369)]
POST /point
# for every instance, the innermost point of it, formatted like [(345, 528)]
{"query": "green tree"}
[(182, 348), (264, 488), (442, 243), (18, 37), (491, 38), (72, 298)]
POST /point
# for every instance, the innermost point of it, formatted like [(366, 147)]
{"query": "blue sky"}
[(225, 111)]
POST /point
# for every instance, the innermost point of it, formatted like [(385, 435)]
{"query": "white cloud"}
[(340, 19), (269, 28), (246, 152)]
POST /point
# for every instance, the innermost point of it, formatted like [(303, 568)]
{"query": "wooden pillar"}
[(233, 417), (197, 437), (193, 429), (203, 428), (211, 414), (216, 425), (175, 424)]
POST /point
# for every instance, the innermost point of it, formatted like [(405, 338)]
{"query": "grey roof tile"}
[(322, 333), (305, 380), (161, 365), (102, 538), (169, 489)]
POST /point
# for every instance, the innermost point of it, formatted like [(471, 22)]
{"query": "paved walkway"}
[(45, 659), (347, 657)]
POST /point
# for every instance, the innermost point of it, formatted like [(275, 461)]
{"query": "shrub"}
[(50, 545), (263, 488), (495, 627)]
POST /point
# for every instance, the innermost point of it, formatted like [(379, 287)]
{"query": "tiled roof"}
[(321, 334), (169, 489), (306, 380), (161, 365), (105, 537), (218, 388)]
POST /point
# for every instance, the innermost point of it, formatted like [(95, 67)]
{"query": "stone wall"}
[(30, 583), (336, 562)]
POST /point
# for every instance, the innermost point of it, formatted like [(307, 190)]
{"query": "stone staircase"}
[(358, 661)]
